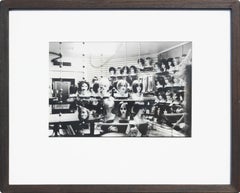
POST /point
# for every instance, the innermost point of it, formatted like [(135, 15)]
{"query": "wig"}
[(134, 68), (80, 110), (80, 83), (176, 60), (123, 105), (161, 80), (150, 60), (170, 60), (137, 106), (123, 69), (95, 87), (164, 62), (112, 69), (121, 83), (135, 84), (141, 61)]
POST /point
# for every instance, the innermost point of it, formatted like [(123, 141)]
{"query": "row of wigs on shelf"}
[(168, 81), (142, 65), (120, 86), (167, 65), (129, 115), (135, 113), (170, 100), (162, 65), (146, 86), (116, 111), (117, 89), (132, 70)]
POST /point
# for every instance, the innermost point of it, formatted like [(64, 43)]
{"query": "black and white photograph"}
[(120, 89)]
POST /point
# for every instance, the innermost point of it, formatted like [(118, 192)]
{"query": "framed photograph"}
[(143, 89), (123, 96)]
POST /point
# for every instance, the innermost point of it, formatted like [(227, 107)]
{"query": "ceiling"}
[(110, 49)]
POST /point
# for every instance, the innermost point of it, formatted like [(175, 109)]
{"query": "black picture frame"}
[(7, 5)]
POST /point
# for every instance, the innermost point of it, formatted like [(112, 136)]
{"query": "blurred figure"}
[(108, 105), (104, 85)]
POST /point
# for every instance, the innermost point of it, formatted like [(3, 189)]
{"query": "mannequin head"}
[(133, 70), (112, 70), (83, 113), (122, 87), (123, 110), (149, 61), (137, 86), (124, 70), (83, 86)]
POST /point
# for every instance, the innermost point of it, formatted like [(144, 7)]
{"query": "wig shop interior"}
[(120, 89)]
